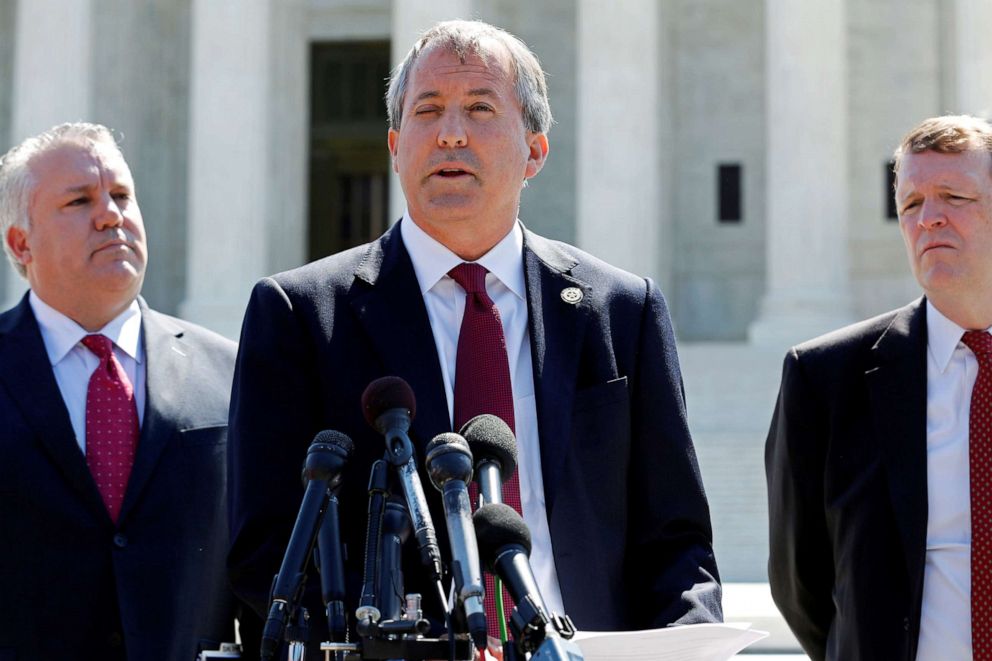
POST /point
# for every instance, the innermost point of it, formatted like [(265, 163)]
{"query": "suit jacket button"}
[(905, 623), (120, 540), (115, 639)]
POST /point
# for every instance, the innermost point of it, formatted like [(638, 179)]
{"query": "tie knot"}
[(99, 344), (978, 341), (471, 277)]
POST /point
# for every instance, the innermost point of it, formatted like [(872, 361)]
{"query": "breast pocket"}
[(601, 422), (206, 435)]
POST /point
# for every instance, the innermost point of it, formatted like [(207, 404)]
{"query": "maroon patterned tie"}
[(980, 468), (482, 385), (111, 424)]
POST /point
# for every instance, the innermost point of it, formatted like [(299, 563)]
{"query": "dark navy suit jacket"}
[(75, 585), (846, 459), (628, 517)]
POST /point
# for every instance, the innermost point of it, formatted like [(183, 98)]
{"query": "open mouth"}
[(452, 173)]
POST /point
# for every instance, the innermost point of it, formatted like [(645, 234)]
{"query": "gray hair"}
[(947, 134), (18, 183), (464, 38)]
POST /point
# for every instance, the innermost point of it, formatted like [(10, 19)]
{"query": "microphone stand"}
[(390, 624), (540, 637)]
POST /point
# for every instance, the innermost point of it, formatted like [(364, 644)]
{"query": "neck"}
[(970, 314)]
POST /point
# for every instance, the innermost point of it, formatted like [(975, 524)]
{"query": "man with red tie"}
[(112, 425), (480, 315), (879, 457)]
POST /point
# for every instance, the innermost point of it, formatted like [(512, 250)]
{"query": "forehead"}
[(439, 70), (931, 168), (72, 164)]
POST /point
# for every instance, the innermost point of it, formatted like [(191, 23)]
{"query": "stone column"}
[(229, 180), (807, 288), (624, 201), (410, 19), (52, 82), (973, 56)]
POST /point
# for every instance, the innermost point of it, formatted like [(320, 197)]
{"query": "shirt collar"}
[(943, 336), (432, 259), (60, 333)]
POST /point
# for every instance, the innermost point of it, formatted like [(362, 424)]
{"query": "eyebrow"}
[(82, 188)]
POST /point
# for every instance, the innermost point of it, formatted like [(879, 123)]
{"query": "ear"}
[(17, 241), (392, 139), (537, 144)]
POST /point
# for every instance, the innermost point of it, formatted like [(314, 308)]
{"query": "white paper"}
[(691, 642)]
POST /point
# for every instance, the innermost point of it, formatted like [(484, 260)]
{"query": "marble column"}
[(973, 56), (51, 82), (807, 287), (410, 19), (229, 156), (624, 114)]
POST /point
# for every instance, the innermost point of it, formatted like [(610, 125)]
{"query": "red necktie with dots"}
[(111, 424), (980, 468), (482, 385)]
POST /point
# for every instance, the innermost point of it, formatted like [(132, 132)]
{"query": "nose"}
[(108, 213), (451, 132), (932, 215)]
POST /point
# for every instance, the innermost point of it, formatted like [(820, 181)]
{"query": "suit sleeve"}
[(671, 565), (800, 564), (272, 421)]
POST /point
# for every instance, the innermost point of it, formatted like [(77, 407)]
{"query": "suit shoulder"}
[(334, 271), (601, 275), (194, 333), (854, 341)]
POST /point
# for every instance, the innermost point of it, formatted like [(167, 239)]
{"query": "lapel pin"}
[(571, 295)]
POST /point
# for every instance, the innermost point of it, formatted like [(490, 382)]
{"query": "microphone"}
[(322, 470), (395, 532), (330, 565), (389, 406), (504, 545), (495, 450), (449, 465)]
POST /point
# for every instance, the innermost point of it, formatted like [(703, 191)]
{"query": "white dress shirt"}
[(445, 301), (73, 363), (945, 622)]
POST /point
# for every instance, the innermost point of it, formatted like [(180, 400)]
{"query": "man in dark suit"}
[(112, 426), (877, 487), (608, 478)]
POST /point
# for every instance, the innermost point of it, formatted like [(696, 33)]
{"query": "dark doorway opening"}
[(349, 161)]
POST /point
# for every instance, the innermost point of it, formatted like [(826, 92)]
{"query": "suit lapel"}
[(390, 308), (556, 329), (897, 387), (166, 367), (30, 382)]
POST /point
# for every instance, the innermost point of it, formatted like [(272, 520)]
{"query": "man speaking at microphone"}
[(480, 315)]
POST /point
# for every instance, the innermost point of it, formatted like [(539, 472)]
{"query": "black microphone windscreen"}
[(492, 439), (385, 393), (331, 437), (496, 526)]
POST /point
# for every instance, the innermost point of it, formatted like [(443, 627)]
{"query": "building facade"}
[(737, 151)]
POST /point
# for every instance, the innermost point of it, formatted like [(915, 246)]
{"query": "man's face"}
[(945, 215), (462, 151), (85, 248)]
